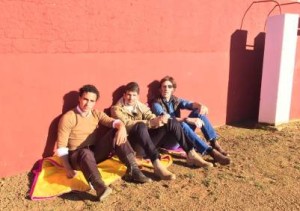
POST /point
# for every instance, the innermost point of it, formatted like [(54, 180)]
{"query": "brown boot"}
[(133, 173), (161, 171), (219, 157), (215, 145), (103, 192), (194, 159), (101, 189)]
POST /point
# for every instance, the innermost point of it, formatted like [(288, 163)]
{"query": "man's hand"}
[(164, 118), (69, 171), (199, 123), (195, 121), (121, 135), (157, 121), (203, 110)]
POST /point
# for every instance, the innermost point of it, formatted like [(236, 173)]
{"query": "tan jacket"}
[(142, 114)]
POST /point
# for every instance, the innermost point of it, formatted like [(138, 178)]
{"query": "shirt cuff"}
[(62, 151), (116, 122)]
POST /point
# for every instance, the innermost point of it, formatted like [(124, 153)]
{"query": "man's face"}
[(166, 89), (87, 101), (130, 97)]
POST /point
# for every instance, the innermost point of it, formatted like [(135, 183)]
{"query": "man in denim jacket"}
[(169, 104)]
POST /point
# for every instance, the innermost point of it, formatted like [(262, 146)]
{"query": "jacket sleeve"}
[(147, 113), (185, 104), (157, 109)]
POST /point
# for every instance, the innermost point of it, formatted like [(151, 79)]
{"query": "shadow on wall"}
[(70, 100), (153, 91), (245, 73), (117, 94)]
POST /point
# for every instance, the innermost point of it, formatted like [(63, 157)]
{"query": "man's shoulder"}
[(70, 113), (116, 107), (142, 105), (68, 118), (98, 113), (144, 108)]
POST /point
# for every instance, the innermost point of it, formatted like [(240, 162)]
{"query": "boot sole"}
[(224, 163), (130, 179), (206, 165), (105, 194), (168, 177)]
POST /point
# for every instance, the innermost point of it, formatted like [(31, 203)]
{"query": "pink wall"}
[(50, 48)]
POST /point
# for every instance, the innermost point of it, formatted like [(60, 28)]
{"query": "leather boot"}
[(103, 193), (133, 173), (161, 171), (219, 157), (215, 145), (194, 159), (101, 189)]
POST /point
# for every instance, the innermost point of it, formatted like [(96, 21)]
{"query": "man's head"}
[(167, 86), (88, 96), (131, 93)]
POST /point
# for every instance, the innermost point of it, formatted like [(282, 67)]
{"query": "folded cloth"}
[(165, 159), (178, 152), (50, 177)]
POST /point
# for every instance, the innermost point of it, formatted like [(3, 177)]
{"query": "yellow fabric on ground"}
[(165, 159), (51, 180)]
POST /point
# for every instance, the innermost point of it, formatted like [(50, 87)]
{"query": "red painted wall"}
[(48, 49)]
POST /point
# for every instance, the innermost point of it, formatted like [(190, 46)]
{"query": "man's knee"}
[(85, 154), (174, 123), (140, 126), (195, 113)]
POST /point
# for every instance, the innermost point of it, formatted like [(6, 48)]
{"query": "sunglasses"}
[(168, 86)]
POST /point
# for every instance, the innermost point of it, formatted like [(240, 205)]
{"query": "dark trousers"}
[(86, 158), (140, 137)]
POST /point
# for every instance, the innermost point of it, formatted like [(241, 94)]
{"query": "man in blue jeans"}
[(169, 104)]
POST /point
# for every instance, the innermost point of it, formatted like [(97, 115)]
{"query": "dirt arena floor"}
[(264, 175)]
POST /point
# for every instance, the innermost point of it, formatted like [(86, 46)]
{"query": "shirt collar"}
[(129, 108), (81, 112), (168, 101)]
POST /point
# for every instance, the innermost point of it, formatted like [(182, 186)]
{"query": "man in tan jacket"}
[(149, 131), (80, 148)]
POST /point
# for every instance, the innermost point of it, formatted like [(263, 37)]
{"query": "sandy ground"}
[(264, 175)]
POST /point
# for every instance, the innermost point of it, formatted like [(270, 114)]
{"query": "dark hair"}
[(89, 88), (168, 78), (132, 87)]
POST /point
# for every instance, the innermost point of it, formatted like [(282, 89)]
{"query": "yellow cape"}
[(50, 177)]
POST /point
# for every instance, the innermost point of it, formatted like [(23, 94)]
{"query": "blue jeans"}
[(207, 130)]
